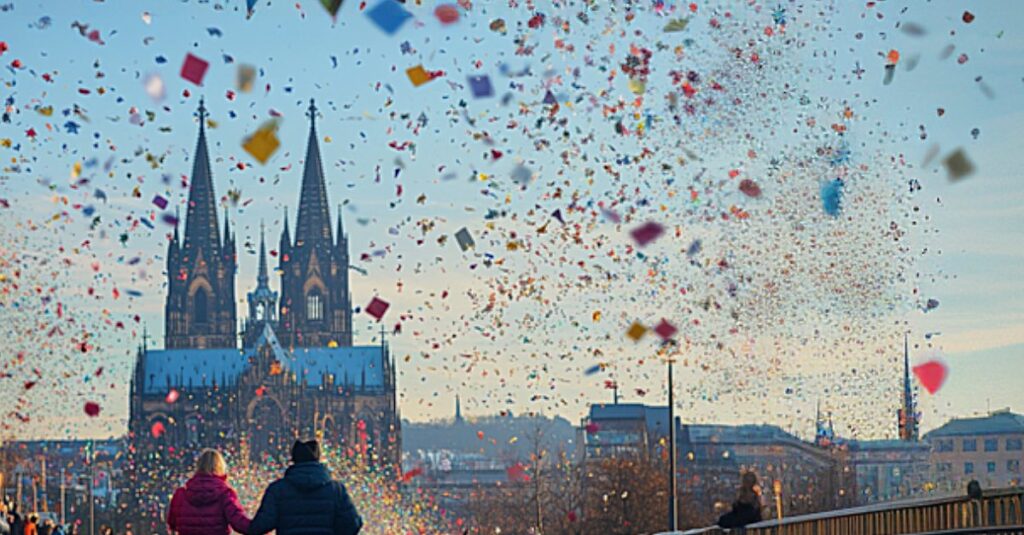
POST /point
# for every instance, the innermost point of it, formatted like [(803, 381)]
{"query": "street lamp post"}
[(672, 501)]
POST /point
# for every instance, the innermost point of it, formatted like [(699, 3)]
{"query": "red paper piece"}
[(172, 396), (592, 428), (194, 69), (377, 308), (666, 330), (931, 374), (157, 429), (92, 408), (647, 233), (750, 188), (447, 13)]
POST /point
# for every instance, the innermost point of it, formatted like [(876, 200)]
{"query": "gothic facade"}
[(296, 373)]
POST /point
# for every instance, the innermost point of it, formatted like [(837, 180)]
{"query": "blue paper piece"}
[(389, 16), (481, 86), (831, 195)]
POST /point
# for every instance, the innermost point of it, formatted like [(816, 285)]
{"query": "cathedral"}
[(289, 369)]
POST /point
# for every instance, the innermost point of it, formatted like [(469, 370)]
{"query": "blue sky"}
[(970, 228)]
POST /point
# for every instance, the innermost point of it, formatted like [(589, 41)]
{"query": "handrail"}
[(997, 511)]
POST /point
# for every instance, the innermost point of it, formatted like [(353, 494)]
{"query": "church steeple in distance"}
[(908, 418), (200, 309), (262, 301), (315, 305)]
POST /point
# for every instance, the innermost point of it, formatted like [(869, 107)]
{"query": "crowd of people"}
[(13, 522)]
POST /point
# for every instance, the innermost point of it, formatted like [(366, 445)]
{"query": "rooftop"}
[(199, 368), (996, 423)]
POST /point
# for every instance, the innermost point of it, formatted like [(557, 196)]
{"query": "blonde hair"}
[(211, 462)]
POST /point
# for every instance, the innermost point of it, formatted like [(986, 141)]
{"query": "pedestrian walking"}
[(306, 501), (207, 505)]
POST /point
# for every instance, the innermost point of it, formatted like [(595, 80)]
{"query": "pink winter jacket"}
[(206, 505)]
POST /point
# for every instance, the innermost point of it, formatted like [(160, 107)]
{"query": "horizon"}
[(491, 336)]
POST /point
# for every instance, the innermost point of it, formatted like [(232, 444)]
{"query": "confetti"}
[(377, 308), (932, 375), (193, 69), (389, 16)]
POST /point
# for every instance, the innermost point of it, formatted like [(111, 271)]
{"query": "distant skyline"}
[(370, 110)]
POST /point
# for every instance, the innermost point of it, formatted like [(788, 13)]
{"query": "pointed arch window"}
[(314, 306), (200, 306)]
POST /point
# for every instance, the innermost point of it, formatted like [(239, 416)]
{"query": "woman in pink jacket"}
[(207, 505)]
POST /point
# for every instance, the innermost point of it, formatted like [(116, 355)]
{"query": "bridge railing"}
[(999, 508)]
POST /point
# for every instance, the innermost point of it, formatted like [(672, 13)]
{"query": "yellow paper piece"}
[(636, 331), (418, 75), (262, 144)]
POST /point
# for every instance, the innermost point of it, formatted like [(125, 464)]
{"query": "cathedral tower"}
[(316, 308), (200, 309)]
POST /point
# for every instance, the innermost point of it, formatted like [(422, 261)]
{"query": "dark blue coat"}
[(306, 501)]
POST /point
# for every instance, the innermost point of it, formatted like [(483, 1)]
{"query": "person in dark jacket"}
[(747, 507), (306, 501), (5, 528), (17, 521), (207, 505)]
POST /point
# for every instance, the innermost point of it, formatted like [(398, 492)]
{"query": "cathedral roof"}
[(180, 368)]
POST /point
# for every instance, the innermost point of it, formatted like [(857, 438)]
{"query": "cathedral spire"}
[(263, 279), (313, 226), (201, 215), (458, 409)]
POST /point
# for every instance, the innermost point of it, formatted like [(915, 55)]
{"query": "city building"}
[(713, 457), (882, 470), (887, 470), (296, 373), (988, 449), (624, 430)]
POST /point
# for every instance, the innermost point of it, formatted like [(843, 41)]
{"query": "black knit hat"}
[(304, 452)]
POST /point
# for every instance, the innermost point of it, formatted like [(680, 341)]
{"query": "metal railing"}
[(997, 511)]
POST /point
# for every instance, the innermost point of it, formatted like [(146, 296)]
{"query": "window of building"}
[(1013, 466), (944, 467), (991, 467), (1013, 444), (945, 445), (200, 307), (968, 468), (970, 444), (314, 306), (991, 444)]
